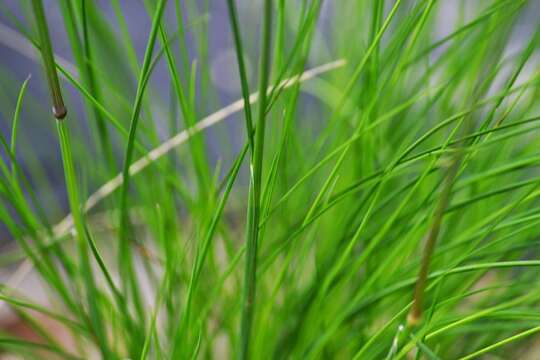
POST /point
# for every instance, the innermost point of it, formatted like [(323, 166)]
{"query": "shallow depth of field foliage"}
[(373, 191)]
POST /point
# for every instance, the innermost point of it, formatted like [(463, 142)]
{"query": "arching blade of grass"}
[(509, 340), (21, 345), (15, 123), (13, 301), (125, 236)]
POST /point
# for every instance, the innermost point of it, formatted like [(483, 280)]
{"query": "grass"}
[(377, 196), (253, 233)]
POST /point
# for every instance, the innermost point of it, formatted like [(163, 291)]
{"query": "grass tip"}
[(59, 112), (413, 319)]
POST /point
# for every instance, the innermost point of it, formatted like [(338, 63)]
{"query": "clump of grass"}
[(381, 200)]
